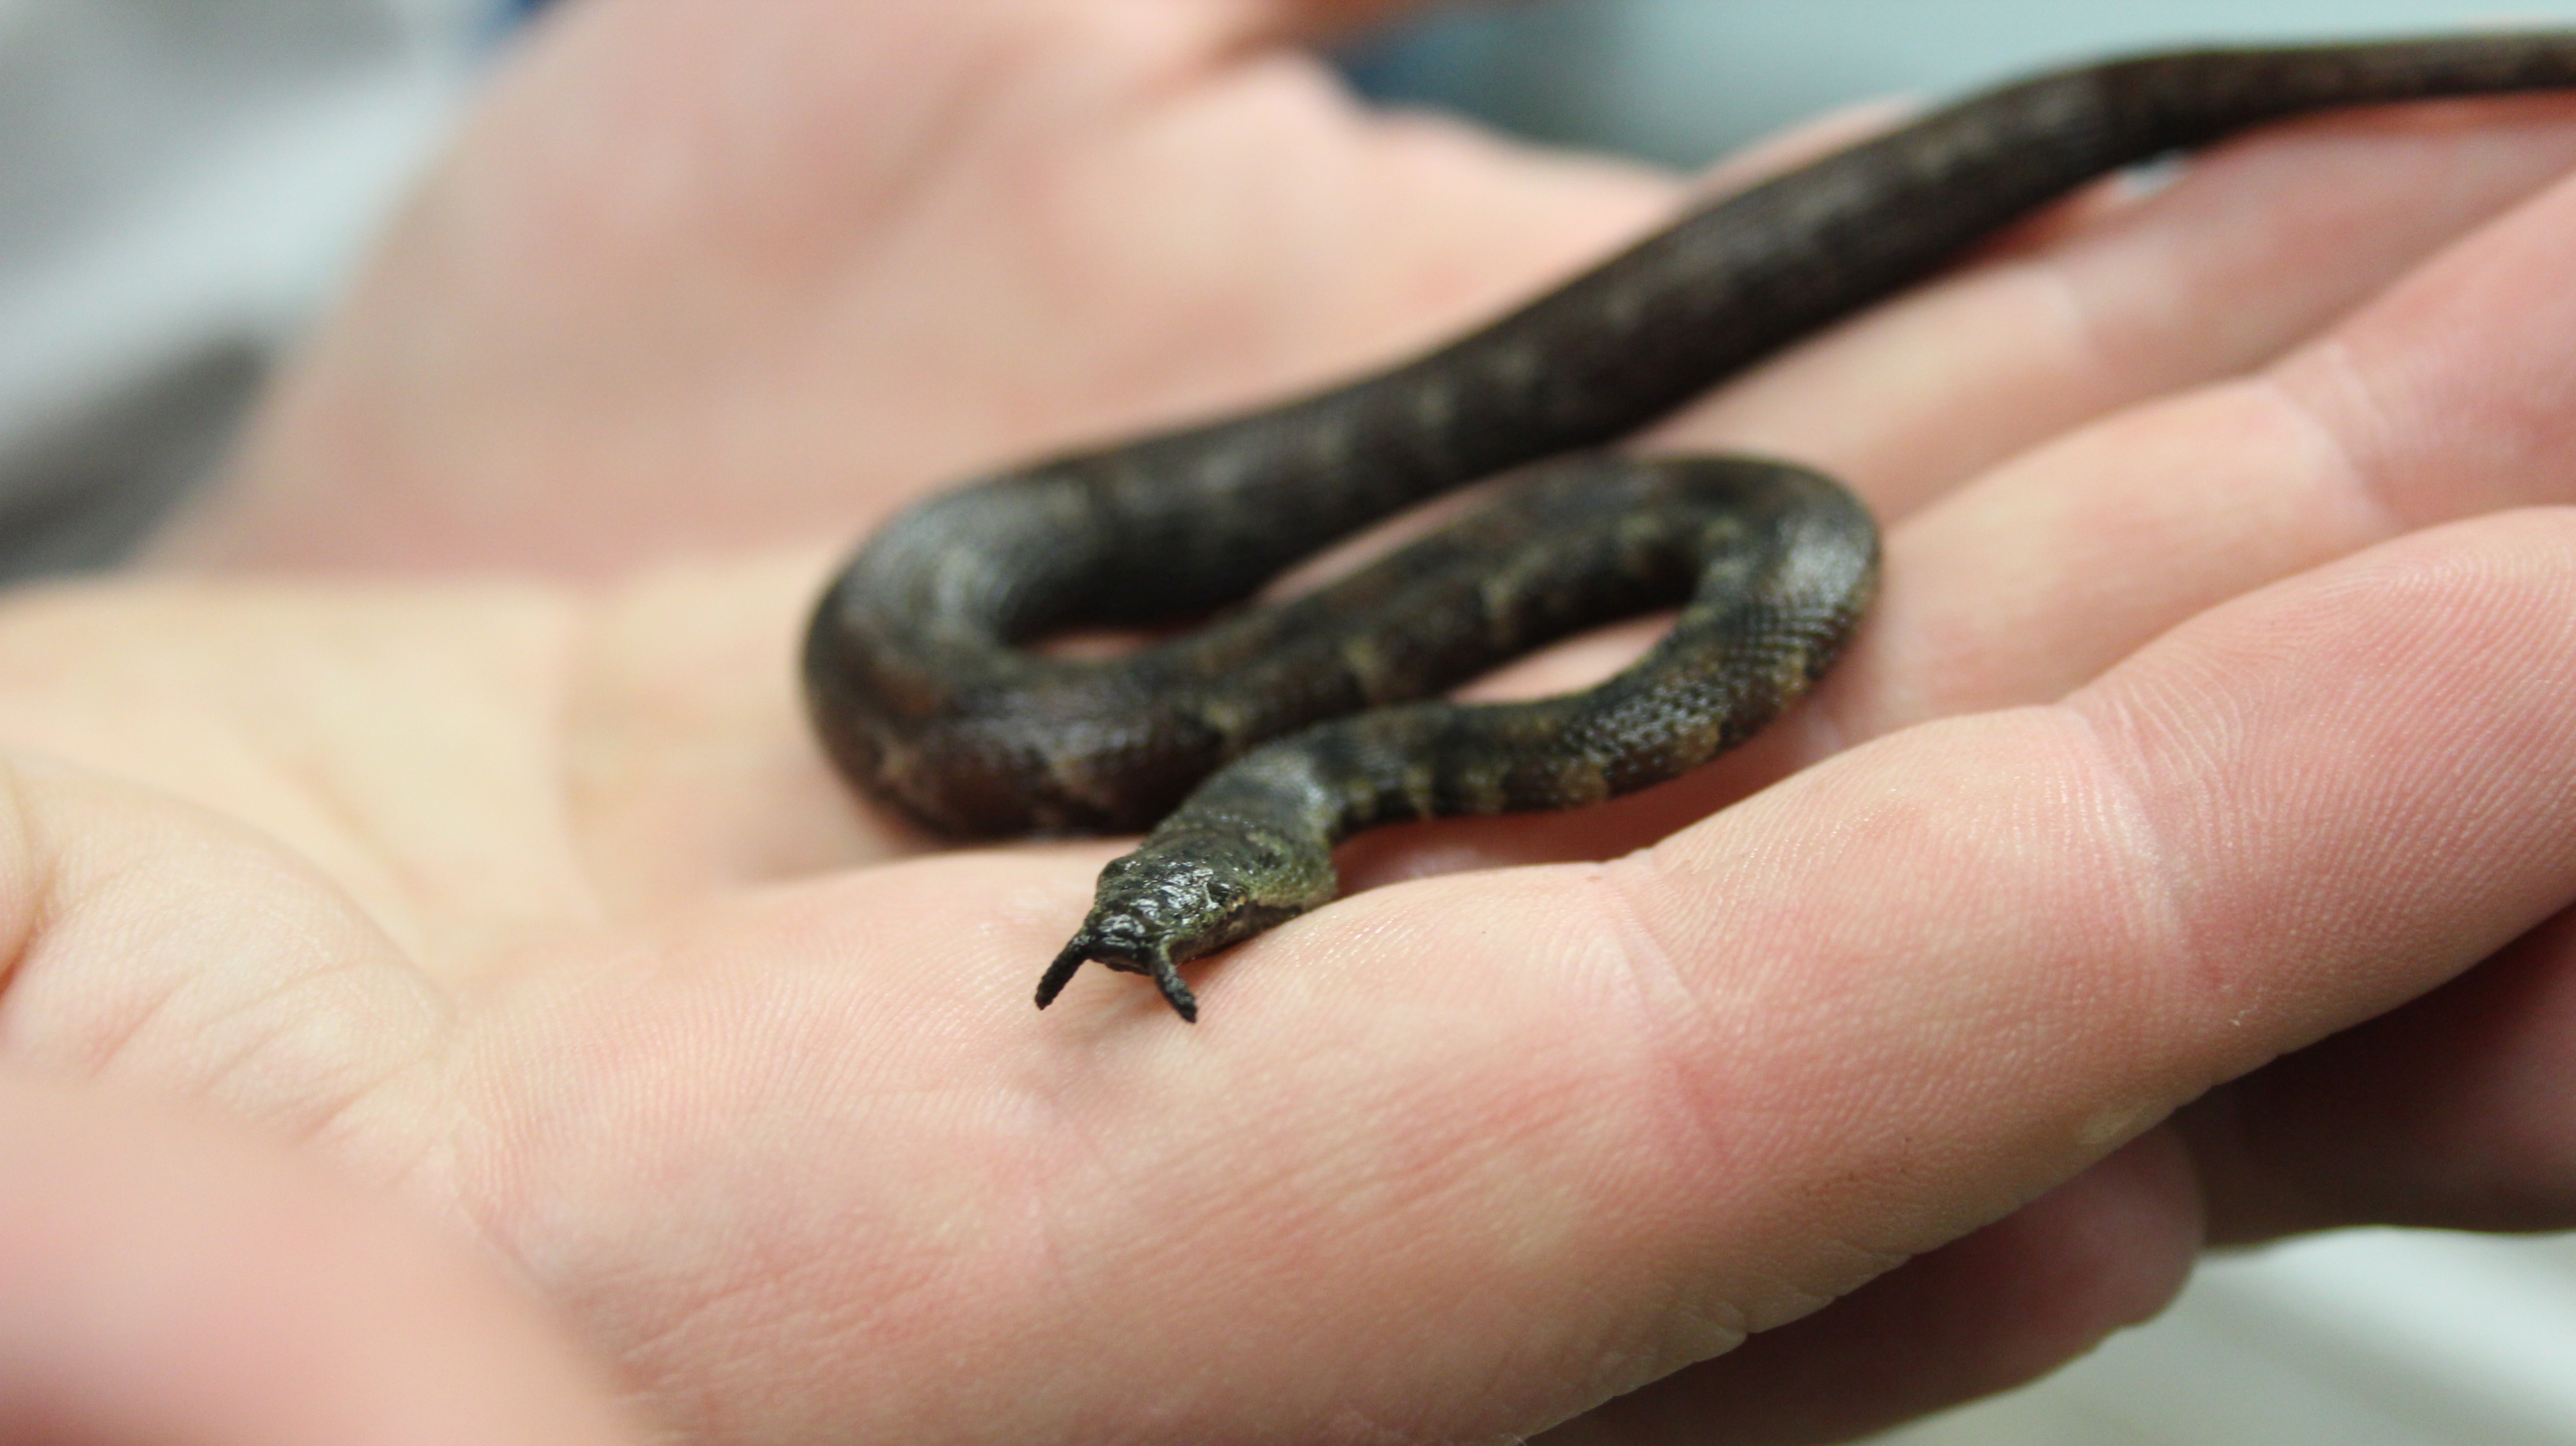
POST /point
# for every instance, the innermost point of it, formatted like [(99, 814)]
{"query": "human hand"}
[(1702, 1090)]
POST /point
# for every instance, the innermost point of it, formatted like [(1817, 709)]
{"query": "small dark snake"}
[(925, 697)]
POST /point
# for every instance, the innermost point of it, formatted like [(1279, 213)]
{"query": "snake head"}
[(1153, 912)]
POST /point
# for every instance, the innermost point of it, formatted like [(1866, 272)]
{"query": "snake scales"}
[(1255, 744)]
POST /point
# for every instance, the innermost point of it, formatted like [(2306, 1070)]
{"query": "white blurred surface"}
[(181, 182), (2363, 1338), (1684, 81)]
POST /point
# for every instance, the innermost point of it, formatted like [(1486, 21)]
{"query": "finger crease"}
[(2339, 459)]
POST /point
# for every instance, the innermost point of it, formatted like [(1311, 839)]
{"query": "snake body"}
[(1252, 746)]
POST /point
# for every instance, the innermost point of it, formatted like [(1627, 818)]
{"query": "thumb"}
[(171, 1281)]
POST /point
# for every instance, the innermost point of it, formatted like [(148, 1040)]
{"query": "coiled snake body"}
[(1220, 741)]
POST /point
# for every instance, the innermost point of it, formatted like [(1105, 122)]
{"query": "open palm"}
[(2216, 703)]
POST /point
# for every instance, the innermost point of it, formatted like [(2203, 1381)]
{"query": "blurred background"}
[(184, 182)]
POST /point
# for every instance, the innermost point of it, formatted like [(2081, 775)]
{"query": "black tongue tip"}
[(1060, 973), (1183, 1002)]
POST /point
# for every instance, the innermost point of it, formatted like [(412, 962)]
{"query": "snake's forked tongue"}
[(1090, 944)]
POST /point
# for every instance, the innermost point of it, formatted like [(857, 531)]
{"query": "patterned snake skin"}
[(1300, 723)]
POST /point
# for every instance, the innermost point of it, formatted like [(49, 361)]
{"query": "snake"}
[(1247, 748)]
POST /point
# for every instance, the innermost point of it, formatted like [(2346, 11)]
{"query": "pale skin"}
[(175, 1278), (2217, 702)]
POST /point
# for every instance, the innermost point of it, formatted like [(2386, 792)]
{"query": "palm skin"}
[(2216, 703)]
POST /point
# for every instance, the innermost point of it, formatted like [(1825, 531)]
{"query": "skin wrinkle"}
[(2081, 327), (96, 1055), (1711, 1319), (294, 1037), (674, 1334), (434, 1172), (261, 1035), (1606, 894), (2420, 587), (1711, 1116), (2339, 375), (1678, 1055), (572, 632), (403, 893), (393, 890), (2152, 915), (288, 1035), (591, 674), (2158, 904), (327, 780), (30, 914)]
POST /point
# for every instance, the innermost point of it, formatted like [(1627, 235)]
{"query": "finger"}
[(1994, 1310), (170, 1282), (2443, 399), (2259, 244), (2458, 1111)]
